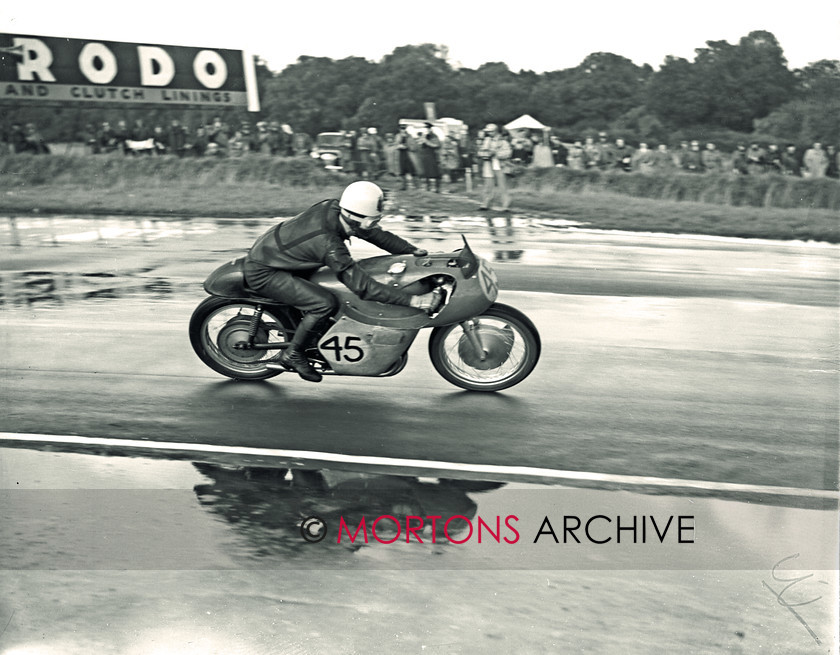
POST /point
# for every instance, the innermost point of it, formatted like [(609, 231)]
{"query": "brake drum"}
[(497, 343), (235, 333)]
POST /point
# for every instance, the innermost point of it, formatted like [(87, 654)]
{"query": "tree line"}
[(726, 93)]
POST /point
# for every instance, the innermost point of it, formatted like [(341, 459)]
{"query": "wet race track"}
[(153, 506)]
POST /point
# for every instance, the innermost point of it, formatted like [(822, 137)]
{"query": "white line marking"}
[(431, 465)]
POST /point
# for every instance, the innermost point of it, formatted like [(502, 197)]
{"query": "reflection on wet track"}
[(267, 506), (142, 514)]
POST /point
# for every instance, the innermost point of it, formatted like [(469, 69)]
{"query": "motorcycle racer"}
[(281, 260)]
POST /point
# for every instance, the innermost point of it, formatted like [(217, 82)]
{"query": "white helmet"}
[(362, 200)]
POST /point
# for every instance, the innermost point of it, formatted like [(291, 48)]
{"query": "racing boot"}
[(293, 358)]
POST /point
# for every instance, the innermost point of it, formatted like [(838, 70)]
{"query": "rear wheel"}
[(497, 350), (219, 333)]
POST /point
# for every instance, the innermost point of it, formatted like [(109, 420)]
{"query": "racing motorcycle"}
[(475, 343)]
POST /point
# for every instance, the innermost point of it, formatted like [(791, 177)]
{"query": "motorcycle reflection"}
[(266, 506), (503, 238)]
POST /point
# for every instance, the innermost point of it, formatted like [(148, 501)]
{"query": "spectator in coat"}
[(679, 154), (773, 159), (89, 137), (301, 144), (522, 147), (606, 153), (121, 135), (575, 156), (106, 138), (711, 159), (177, 138), (664, 160), (276, 145), (591, 153), (692, 159), (17, 138), (815, 161), (644, 160), (200, 142), (403, 142), (370, 153), (755, 159), (160, 141), (216, 128), (467, 146), (559, 151), (622, 155), (833, 169), (263, 139), (140, 132), (494, 153), (218, 140), (739, 160), (790, 161), (543, 156), (429, 147), (287, 137), (35, 142), (450, 157), (352, 161), (249, 140), (237, 144), (391, 155)]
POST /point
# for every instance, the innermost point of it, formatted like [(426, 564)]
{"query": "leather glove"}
[(424, 301), (419, 252)]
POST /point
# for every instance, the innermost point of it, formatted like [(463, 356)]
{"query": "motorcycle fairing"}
[(352, 347)]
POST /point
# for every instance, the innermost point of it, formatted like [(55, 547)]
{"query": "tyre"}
[(219, 328), (510, 344)]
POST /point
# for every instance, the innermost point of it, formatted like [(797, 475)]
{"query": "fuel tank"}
[(474, 288)]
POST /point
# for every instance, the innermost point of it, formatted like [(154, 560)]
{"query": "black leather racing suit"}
[(281, 260)]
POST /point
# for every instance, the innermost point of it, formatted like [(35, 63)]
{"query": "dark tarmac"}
[(712, 361)]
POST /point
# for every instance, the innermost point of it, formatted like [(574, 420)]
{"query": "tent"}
[(526, 122)]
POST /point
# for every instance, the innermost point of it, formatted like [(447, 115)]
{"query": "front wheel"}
[(219, 333), (492, 351)]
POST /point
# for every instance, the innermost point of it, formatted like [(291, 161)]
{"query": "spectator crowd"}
[(755, 159), (425, 155), (25, 139)]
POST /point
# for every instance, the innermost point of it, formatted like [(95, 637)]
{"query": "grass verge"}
[(162, 186)]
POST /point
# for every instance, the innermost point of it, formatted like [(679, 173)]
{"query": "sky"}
[(538, 35)]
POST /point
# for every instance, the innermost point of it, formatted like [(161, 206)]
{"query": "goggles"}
[(365, 222)]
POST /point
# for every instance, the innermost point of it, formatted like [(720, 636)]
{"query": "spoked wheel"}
[(219, 333), (490, 352)]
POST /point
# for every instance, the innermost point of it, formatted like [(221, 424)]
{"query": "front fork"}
[(470, 329)]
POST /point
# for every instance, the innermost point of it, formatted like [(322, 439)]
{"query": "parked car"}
[(327, 148)]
